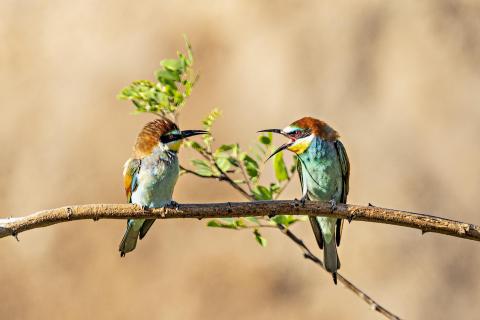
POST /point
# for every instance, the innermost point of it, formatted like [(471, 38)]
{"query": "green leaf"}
[(286, 220), (210, 119), (202, 167), (227, 223), (253, 220), (224, 148), (262, 193), (214, 223), (165, 76), (265, 139), (223, 163), (274, 187), (194, 145), (261, 240), (281, 172), (172, 64), (251, 166)]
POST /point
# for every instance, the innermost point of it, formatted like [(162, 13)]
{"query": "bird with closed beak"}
[(150, 175), (324, 171)]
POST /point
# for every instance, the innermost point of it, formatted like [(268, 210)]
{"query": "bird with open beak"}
[(324, 171), (150, 175)]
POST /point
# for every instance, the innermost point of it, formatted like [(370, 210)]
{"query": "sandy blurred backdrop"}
[(399, 80)]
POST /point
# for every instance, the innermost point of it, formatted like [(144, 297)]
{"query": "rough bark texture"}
[(426, 223)]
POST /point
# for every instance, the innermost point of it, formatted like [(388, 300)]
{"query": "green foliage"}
[(281, 172), (175, 80), (203, 168), (261, 240), (287, 220)]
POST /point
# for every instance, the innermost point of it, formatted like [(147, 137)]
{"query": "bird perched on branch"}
[(150, 175), (324, 171)]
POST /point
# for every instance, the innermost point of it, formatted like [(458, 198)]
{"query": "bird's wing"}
[(317, 231), (130, 177), (345, 166)]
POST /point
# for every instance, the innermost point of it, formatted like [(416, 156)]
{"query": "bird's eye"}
[(296, 134)]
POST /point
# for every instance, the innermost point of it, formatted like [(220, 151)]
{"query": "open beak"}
[(190, 133), (283, 146), (274, 131)]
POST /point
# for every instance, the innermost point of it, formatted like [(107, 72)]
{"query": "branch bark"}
[(425, 223)]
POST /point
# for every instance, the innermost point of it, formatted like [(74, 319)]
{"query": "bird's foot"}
[(144, 208), (303, 200), (173, 205), (351, 217), (333, 205)]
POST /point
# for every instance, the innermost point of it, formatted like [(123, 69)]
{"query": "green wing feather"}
[(317, 231), (130, 173), (345, 166)]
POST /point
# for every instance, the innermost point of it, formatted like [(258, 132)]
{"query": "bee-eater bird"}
[(150, 175), (324, 171)]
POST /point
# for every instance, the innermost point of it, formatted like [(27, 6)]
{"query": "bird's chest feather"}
[(321, 171), (156, 179)]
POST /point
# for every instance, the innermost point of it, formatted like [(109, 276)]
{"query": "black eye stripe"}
[(167, 138)]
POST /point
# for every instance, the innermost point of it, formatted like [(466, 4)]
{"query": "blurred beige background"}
[(399, 80)]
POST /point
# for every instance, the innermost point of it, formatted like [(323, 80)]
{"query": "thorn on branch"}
[(424, 231), (15, 235), (350, 217), (229, 209), (69, 213), (95, 219), (370, 205), (173, 205)]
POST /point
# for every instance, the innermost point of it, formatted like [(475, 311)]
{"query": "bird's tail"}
[(129, 240), (330, 258)]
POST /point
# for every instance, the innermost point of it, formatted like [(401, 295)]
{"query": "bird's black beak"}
[(190, 133), (282, 147), (182, 135), (274, 131)]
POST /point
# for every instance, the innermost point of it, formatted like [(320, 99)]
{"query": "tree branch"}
[(426, 223)]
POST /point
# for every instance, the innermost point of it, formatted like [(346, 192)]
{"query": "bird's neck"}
[(162, 153), (316, 148)]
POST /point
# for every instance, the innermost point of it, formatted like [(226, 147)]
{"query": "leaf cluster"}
[(174, 82)]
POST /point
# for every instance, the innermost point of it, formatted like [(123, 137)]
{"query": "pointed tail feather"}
[(129, 240), (317, 231), (145, 227), (330, 258)]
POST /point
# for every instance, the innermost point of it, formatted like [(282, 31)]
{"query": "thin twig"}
[(199, 175), (222, 177), (245, 177), (309, 255), (283, 187)]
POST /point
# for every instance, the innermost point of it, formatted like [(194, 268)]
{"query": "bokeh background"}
[(399, 80)]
